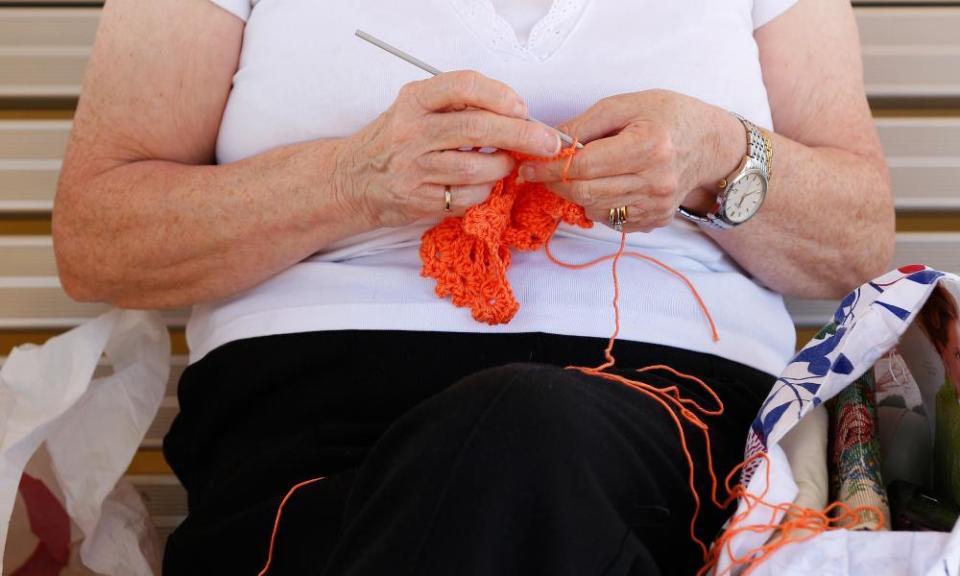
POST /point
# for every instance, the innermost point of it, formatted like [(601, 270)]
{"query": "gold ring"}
[(618, 217), (447, 198)]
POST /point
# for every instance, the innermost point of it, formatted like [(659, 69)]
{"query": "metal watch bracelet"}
[(759, 156)]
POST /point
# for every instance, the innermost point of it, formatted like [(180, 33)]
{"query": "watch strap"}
[(700, 218), (759, 147)]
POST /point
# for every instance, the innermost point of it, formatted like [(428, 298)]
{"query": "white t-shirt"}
[(303, 75)]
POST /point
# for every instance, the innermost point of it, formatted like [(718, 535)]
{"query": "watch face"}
[(744, 197)]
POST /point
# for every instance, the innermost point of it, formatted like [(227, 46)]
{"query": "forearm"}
[(156, 234), (826, 225)]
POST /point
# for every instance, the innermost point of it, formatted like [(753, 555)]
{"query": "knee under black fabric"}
[(445, 454)]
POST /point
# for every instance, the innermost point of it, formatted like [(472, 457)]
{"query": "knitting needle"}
[(566, 139)]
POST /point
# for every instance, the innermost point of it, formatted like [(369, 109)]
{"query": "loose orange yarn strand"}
[(813, 522), (665, 397), (693, 290), (276, 522)]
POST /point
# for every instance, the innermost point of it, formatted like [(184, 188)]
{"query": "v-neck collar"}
[(547, 35)]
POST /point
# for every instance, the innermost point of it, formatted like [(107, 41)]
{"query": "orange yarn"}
[(469, 256), (798, 525), (276, 521), (668, 397), (693, 290)]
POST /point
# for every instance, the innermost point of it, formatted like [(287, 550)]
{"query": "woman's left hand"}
[(650, 151)]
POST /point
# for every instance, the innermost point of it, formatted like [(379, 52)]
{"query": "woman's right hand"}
[(396, 168)]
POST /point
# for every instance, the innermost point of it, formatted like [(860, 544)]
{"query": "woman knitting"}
[(256, 161)]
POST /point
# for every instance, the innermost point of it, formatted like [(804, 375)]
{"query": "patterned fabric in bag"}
[(895, 434)]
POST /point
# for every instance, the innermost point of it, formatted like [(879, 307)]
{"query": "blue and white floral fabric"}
[(868, 323)]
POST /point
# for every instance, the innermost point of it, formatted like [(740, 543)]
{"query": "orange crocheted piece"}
[(469, 255)]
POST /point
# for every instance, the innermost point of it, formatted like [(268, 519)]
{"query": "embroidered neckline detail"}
[(498, 35)]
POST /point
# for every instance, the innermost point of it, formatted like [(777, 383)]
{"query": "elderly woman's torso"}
[(303, 75)]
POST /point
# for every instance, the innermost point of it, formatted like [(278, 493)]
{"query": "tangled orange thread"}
[(799, 524)]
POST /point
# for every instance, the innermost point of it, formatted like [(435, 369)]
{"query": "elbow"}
[(874, 260), (92, 269), (77, 287), (879, 259), (94, 255), (81, 287), (77, 264), (78, 282), (871, 254), (880, 231), (84, 275)]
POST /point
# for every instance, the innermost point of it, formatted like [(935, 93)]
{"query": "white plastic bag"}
[(91, 428)]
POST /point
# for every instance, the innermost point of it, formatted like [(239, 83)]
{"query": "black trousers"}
[(444, 454)]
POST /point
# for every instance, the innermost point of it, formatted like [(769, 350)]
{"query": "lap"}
[(244, 438), (508, 435)]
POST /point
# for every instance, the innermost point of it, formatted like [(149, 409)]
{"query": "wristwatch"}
[(741, 193)]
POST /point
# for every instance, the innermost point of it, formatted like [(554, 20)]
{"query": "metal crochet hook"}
[(565, 138)]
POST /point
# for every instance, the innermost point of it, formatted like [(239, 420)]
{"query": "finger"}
[(637, 220), (606, 117), (479, 128), (647, 226), (601, 194), (625, 153), (646, 208), (457, 167), (462, 89), (433, 197), (642, 215)]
